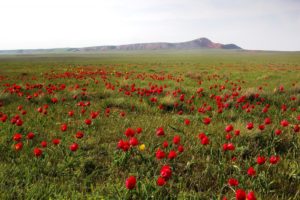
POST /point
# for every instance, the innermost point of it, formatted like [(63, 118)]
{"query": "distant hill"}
[(201, 43)]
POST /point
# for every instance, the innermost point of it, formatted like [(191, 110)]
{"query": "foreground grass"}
[(98, 170)]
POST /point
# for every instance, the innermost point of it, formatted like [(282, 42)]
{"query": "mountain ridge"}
[(200, 43)]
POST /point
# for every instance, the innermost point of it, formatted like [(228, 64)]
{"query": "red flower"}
[(56, 141), (79, 135), (274, 159), (129, 132), (201, 136), (73, 147), (30, 136), (19, 146), (260, 160), (251, 196), (268, 120), (187, 122), (44, 144), (17, 137), (206, 120), (261, 127), (133, 141), (205, 140), (176, 139), (172, 155), (251, 171), (37, 152), (166, 172), (19, 122), (180, 148), (250, 126), (71, 113), (237, 132), (160, 154), (240, 194), (228, 136), (160, 181), (233, 182), (296, 128), (160, 131), (228, 128), (63, 127), (54, 100), (284, 123), (278, 132), (88, 121), (165, 144), (124, 145), (139, 130), (130, 182), (228, 146)]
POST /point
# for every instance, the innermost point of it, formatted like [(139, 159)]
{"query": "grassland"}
[(142, 90)]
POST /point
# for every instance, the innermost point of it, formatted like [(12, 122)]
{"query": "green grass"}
[(98, 170)]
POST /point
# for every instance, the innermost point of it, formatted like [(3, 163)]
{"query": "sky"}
[(251, 24)]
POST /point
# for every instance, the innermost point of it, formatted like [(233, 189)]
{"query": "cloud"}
[(252, 24)]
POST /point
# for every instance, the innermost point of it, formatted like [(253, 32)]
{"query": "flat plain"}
[(191, 124)]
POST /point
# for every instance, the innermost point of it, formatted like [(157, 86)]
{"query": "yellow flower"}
[(142, 147)]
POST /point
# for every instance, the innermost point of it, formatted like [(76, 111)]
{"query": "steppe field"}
[(194, 124)]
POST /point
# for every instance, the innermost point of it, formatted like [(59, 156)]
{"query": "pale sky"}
[(251, 24)]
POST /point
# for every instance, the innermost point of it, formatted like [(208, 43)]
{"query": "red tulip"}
[(251, 196), (180, 148), (71, 113), (124, 145), (284, 123), (56, 141), (133, 141), (233, 182), (268, 120), (278, 132), (73, 147), (237, 132), (160, 154), (130, 182), (19, 146), (187, 122), (30, 136), (166, 172), (88, 121), (160, 181), (228, 136), (17, 137), (165, 144), (172, 155), (261, 127), (176, 139), (129, 132), (139, 130), (205, 140), (228, 128), (250, 126), (79, 135), (251, 171), (296, 128), (63, 127), (37, 152), (44, 144), (160, 131), (260, 160), (240, 194), (206, 120), (19, 122), (274, 159)]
